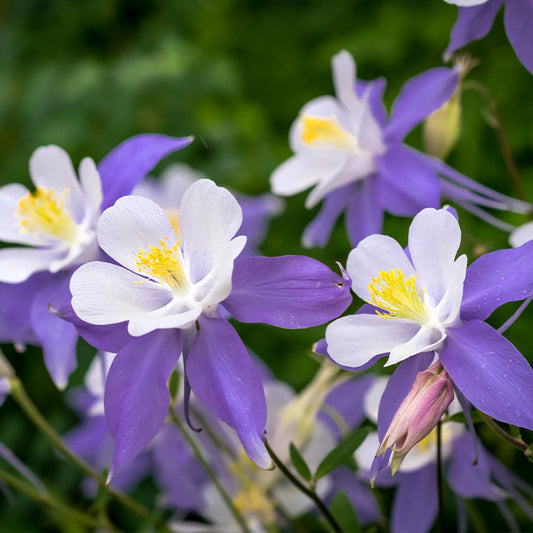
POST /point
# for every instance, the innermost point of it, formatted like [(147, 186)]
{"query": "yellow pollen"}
[(392, 292), (323, 132), (163, 263), (254, 501), (43, 212)]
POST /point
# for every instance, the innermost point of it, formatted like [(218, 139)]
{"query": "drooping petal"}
[(290, 292), (472, 23), (103, 293), (374, 254), (210, 216), (354, 340), (426, 339), (224, 379), (136, 396), (128, 163), (497, 278), (490, 372), (518, 19), (132, 224), (418, 98), (18, 264), (406, 182), (364, 215), (416, 502)]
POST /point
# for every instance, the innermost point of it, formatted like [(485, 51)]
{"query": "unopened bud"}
[(420, 411)]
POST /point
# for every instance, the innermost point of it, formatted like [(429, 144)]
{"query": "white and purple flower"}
[(165, 297)]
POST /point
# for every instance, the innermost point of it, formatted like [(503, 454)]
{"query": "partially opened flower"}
[(477, 16), (170, 294), (354, 157), (427, 301), (56, 224)]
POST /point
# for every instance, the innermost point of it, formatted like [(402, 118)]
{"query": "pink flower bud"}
[(420, 411)]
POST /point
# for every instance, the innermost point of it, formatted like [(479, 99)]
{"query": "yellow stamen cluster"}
[(44, 212), (164, 264), (327, 131), (254, 501), (398, 295)]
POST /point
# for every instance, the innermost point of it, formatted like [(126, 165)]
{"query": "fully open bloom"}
[(169, 295), (56, 224), (426, 300), (356, 160), (477, 16)]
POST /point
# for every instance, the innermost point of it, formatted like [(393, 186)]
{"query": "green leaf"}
[(173, 384), (342, 510), (341, 453), (299, 463)]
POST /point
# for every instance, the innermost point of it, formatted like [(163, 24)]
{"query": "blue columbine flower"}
[(166, 296)]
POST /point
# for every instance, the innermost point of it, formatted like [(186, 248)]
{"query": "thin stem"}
[(47, 499), (517, 443), (302, 488), (440, 517), (19, 395), (210, 472)]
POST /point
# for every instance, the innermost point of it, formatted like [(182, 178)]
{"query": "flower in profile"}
[(354, 157), (427, 301), (477, 16), (170, 296), (56, 226)]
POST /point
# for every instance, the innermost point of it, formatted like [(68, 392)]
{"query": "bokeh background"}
[(87, 75)]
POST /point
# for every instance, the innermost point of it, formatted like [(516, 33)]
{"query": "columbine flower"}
[(427, 301), (356, 160), (168, 295), (56, 222), (475, 20)]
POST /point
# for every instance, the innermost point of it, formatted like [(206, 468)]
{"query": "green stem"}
[(307, 491), (47, 499), (19, 395), (210, 472)]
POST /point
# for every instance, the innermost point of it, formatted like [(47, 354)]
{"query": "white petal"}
[(426, 340), (10, 196), (354, 340), (372, 255), (133, 223), (103, 293), (51, 167), (373, 397), (18, 264), (210, 216), (303, 170), (343, 66), (173, 315), (365, 454), (521, 235), (434, 238), (466, 3), (91, 183), (450, 306)]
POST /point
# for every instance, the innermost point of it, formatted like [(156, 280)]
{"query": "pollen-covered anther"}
[(43, 212), (399, 296), (322, 132), (163, 264)]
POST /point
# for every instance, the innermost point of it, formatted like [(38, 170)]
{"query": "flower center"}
[(253, 501), (43, 212), (321, 132), (392, 292), (164, 264)]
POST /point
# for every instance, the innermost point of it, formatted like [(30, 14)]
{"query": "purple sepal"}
[(364, 215), (472, 23), (490, 372), (518, 20), (91, 441), (407, 182), (373, 91), (127, 164), (416, 501), (57, 337), (418, 98), (223, 377), (291, 291), (136, 395), (495, 279)]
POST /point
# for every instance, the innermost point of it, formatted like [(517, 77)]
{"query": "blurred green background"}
[(87, 75)]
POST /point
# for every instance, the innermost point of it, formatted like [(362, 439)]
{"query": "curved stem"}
[(19, 395), (47, 499), (209, 471), (307, 491)]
